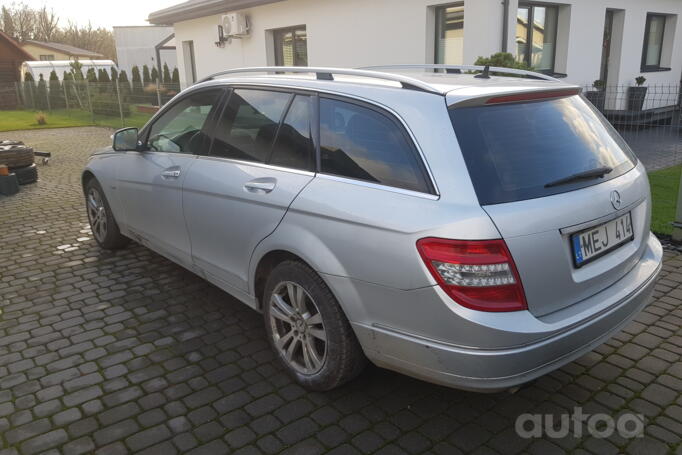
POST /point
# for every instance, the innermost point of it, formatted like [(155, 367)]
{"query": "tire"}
[(315, 364), (102, 223), (27, 174), (14, 156)]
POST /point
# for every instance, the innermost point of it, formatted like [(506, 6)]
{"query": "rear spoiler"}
[(517, 97)]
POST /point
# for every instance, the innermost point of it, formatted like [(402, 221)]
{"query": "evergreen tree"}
[(91, 76), (56, 92), (41, 93), (137, 81), (155, 75), (104, 76), (68, 88), (77, 70), (175, 79), (29, 91), (114, 74), (166, 74), (124, 86), (146, 78)]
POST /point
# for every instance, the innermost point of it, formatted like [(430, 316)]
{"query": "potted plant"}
[(598, 96), (637, 94)]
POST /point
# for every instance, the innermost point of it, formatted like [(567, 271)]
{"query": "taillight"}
[(477, 274)]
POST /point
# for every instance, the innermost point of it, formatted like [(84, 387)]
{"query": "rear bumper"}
[(556, 339)]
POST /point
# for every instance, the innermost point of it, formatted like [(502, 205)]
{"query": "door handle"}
[(171, 174), (260, 185)]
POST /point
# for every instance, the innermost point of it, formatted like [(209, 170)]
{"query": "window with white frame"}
[(536, 36), (449, 46)]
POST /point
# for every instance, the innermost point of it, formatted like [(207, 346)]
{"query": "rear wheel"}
[(102, 223), (308, 330)]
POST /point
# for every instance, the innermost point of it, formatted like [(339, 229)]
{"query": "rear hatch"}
[(562, 187)]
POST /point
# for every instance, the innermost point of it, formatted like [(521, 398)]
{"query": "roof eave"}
[(193, 10)]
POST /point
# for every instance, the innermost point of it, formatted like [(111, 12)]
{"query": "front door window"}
[(180, 128)]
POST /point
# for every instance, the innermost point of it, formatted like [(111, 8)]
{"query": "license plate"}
[(594, 242)]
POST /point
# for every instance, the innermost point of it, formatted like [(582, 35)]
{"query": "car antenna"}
[(485, 74)]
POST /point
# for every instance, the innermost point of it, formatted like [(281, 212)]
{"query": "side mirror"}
[(125, 140)]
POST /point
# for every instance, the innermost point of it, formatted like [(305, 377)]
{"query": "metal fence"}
[(648, 117), (115, 103)]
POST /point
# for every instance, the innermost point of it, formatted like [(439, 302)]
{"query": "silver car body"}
[(360, 238)]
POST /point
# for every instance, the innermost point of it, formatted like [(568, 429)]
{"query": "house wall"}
[(135, 45), (356, 33), (585, 33), (349, 33), (37, 51)]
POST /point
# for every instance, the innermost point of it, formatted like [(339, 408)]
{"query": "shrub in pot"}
[(597, 97), (637, 94)]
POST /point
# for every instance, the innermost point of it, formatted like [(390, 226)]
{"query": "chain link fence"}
[(117, 104), (648, 117)]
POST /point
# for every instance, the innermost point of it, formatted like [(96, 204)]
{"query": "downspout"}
[(505, 24)]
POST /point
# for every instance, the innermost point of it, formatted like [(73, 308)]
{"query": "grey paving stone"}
[(99, 350), (148, 437)]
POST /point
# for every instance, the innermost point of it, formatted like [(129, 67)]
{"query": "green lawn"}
[(664, 187), (62, 118)]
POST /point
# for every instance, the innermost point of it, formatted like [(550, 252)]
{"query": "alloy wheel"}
[(297, 328), (97, 214)]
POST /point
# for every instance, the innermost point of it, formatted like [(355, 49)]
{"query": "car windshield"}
[(520, 151)]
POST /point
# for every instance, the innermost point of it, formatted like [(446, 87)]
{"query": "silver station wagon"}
[(450, 223)]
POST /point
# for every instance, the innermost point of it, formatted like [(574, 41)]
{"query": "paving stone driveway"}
[(125, 352)]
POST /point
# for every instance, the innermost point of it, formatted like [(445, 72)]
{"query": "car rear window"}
[(513, 150)]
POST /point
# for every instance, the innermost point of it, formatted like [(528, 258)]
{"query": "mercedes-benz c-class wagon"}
[(453, 224)]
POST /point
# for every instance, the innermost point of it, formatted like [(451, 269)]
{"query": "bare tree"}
[(47, 24), (7, 21), (24, 19), (23, 23)]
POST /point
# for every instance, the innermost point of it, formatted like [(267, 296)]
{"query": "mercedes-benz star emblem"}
[(615, 199)]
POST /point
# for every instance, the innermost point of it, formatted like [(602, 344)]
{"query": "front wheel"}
[(308, 330), (102, 223)]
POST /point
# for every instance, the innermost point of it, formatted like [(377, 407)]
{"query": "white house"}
[(581, 40), (145, 45)]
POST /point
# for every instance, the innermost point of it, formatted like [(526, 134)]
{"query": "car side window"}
[(247, 128), (361, 143), (293, 147), (181, 128)]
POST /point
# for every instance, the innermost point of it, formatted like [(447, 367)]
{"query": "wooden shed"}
[(11, 58)]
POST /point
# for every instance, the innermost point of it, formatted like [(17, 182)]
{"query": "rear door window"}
[(361, 143), (293, 147), (512, 151), (248, 125)]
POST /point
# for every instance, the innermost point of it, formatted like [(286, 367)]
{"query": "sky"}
[(101, 13)]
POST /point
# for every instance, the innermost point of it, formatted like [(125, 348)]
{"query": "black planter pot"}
[(636, 97), (597, 98)]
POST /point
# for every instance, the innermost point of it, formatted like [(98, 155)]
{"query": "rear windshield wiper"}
[(584, 175)]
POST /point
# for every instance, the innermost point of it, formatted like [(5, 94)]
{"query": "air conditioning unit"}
[(235, 25)]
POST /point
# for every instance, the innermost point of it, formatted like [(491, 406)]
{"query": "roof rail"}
[(327, 74), (460, 68)]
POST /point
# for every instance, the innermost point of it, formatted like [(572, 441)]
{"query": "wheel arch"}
[(86, 176)]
